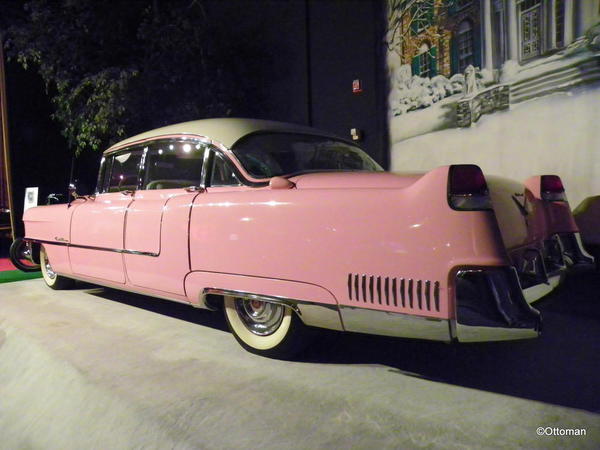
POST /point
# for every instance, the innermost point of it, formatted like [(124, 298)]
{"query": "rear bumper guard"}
[(490, 306), (574, 252), (540, 270)]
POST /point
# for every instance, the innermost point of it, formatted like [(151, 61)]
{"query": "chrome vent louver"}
[(392, 291)]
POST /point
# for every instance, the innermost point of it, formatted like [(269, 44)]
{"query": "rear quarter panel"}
[(321, 236)]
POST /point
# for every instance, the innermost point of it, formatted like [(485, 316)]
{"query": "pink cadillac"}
[(287, 228)]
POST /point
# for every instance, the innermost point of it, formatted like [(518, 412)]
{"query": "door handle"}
[(127, 192), (194, 189)]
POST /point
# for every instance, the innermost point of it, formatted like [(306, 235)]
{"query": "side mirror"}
[(77, 190), (53, 199)]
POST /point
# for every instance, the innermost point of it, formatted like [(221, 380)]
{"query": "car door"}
[(157, 219), (215, 221), (96, 238)]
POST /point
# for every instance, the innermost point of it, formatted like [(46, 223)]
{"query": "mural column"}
[(569, 22), (488, 62), (513, 33)]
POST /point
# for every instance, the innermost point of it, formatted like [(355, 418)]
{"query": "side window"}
[(222, 172), (124, 171), (174, 164)]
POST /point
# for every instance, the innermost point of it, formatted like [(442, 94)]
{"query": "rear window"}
[(266, 155)]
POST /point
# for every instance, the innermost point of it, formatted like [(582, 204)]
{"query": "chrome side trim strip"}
[(313, 314), (292, 304), (90, 247), (468, 333), (386, 323)]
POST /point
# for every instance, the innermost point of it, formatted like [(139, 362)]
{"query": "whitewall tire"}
[(266, 329), (52, 279)]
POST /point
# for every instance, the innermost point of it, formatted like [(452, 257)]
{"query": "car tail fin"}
[(552, 189), (467, 188)]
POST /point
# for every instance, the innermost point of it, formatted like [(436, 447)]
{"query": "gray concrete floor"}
[(97, 368)]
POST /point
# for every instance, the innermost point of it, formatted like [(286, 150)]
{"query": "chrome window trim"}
[(205, 162), (99, 179)]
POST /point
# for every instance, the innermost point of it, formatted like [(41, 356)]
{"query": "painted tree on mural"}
[(116, 68), (407, 17)]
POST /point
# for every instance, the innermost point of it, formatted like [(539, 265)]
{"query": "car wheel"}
[(267, 329), (20, 256), (51, 278)]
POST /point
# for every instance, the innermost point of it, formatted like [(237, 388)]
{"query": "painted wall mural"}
[(510, 85)]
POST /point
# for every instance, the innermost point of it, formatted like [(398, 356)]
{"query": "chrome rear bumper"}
[(490, 306)]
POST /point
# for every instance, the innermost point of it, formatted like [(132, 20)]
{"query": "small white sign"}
[(31, 198)]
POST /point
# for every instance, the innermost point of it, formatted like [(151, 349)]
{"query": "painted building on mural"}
[(534, 108), (435, 37), (445, 36)]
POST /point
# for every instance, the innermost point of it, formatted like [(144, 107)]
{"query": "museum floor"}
[(97, 368)]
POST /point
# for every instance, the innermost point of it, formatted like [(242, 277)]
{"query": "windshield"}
[(266, 155)]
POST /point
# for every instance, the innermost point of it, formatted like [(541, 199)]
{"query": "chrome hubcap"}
[(51, 274), (261, 318)]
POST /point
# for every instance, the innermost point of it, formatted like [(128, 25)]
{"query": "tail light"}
[(552, 189), (467, 188)]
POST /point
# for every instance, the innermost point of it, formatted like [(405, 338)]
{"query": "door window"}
[(222, 172), (174, 164), (124, 171)]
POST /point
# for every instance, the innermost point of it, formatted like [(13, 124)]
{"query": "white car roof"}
[(226, 131)]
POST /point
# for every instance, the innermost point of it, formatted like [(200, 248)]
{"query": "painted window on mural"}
[(560, 22), (425, 63), (530, 28), (454, 6), (465, 45)]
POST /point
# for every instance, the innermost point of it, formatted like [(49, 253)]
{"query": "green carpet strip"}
[(16, 275)]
